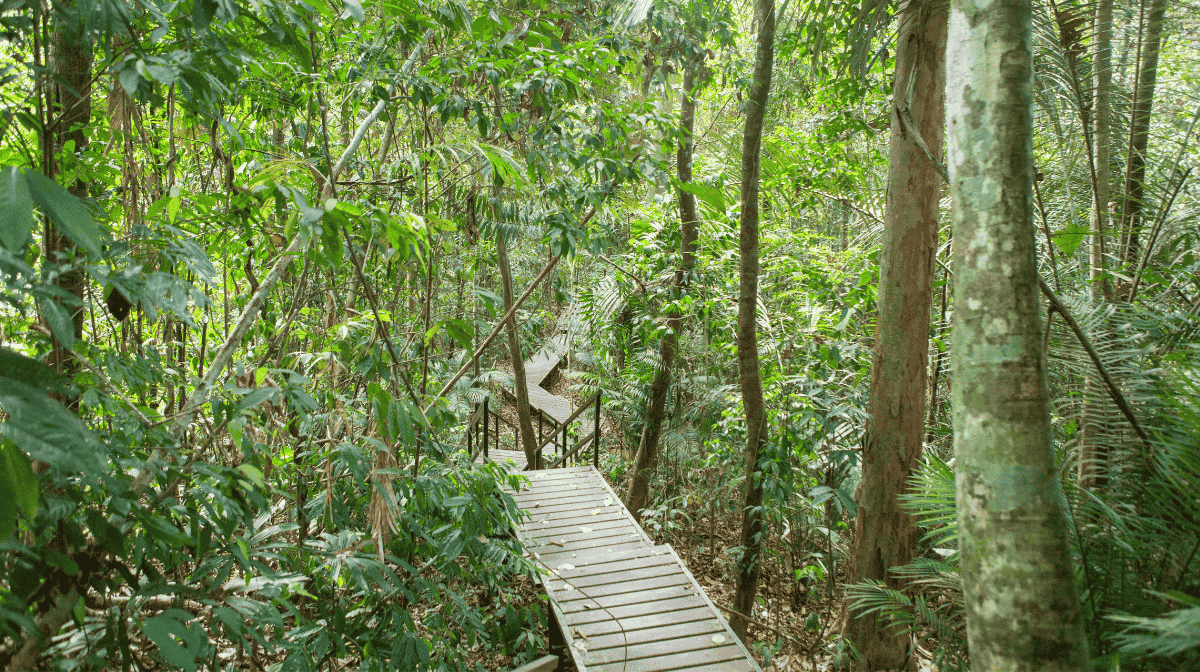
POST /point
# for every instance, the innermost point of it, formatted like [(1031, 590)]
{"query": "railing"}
[(479, 427), (593, 402), (479, 431)]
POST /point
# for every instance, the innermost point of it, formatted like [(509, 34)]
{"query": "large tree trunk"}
[(747, 339), (1139, 133), (647, 454), (1018, 580), (520, 388), (885, 535)]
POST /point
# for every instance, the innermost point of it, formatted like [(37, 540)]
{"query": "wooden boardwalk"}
[(622, 603)]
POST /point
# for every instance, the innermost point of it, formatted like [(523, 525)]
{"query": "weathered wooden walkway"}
[(621, 602)]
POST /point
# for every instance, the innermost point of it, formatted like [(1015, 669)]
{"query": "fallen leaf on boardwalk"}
[(588, 606), (574, 486), (567, 586), (574, 555), (566, 565), (585, 530), (608, 501), (536, 504), (581, 645), (596, 512), (718, 639)]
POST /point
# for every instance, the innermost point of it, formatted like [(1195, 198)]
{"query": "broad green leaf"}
[(30, 372), (355, 9), (130, 78), (1070, 238), (19, 482), (8, 510), (16, 209), (257, 397), (60, 323), (67, 212), (711, 196), (252, 473), (170, 635), (46, 430)]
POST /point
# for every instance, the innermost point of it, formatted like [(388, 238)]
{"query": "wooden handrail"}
[(582, 407)]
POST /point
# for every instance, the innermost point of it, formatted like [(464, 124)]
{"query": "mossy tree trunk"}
[(749, 376), (1018, 580), (885, 535)]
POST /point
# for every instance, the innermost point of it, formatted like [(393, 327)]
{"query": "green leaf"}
[(257, 397), (452, 547), (163, 631), (30, 372), (161, 73), (8, 511), (60, 323), (19, 484), (251, 473), (109, 535), (46, 430), (16, 209), (1070, 238), (130, 78), (66, 211), (711, 196), (355, 9)]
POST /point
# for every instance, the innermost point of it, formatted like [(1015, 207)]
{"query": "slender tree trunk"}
[(885, 535), (647, 454), (1102, 144), (71, 109), (1091, 461), (1018, 580), (749, 375), (1139, 132), (520, 388)]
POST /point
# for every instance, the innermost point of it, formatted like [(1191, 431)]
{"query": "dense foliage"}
[(244, 245)]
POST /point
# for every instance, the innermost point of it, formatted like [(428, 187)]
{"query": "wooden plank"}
[(691, 642), (538, 518), (626, 612), (604, 628), (549, 490), (621, 639), (723, 658), (604, 594), (557, 547), (586, 581), (640, 597)]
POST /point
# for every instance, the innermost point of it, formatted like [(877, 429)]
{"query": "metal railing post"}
[(485, 428)]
